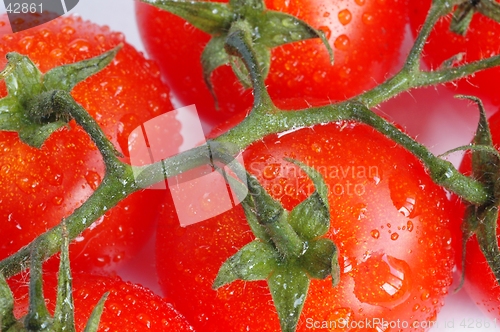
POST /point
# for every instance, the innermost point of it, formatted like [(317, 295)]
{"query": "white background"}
[(450, 124)]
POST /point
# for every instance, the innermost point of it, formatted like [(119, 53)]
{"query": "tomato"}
[(390, 222), (480, 283), (365, 34), (39, 187), (129, 307), (480, 42)]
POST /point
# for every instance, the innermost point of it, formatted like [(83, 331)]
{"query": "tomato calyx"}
[(462, 16), (268, 28), (289, 249), (31, 108), (481, 220), (38, 317)]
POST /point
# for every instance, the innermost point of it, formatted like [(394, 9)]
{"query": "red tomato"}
[(390, 222), (480, 283), (129, 307), (40, 187), (365, 34), (480, 42)]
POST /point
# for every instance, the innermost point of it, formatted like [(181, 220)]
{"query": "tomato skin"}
[(40, 187), (397, 232), (480, 283), (129, 307), (363, 55), (480, 42)]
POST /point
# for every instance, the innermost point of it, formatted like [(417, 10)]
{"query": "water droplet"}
[(319, 76), (342, 43), (360, 2), (375, 234), (68, 30), (5, 168), (347, 265), (57, 200), (27, 184), (93, 179), (26, 42), (56, 53), (288, 23), (367, 18), (394, 236), (271, 171), (80, 45), (345, 16), (316, 147), (425, 295), (326, 14), (409, 226), (383, 280)]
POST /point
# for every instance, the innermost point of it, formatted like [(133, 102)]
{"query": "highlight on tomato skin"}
[(38, 188), (128, 308), (393, 227), (365, 35)]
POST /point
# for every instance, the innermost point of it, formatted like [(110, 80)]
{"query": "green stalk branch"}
[(489, 8)]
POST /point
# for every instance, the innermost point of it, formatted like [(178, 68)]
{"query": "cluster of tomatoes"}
[(397, 232)]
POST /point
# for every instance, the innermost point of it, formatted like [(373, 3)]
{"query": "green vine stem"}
[(265, 119), (489, 8)]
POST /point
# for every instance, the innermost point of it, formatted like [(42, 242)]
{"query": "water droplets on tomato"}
[(342, 43), (93, 179), (68, 30), (375, 234), (383, 280), (360, 2), (26, 42), (80, 45), (27, 184), (367, 18), (345, 16)]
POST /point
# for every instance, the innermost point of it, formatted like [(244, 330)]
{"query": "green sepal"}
[(311, 218), (210, 17), (462, 16), (64, 318), (288, 285), (282, 28), (213, 57), (485, 165), (7, 318), (67, 76), (23, 81), (255, 261), (268, 209), (257, 229), (321, 260), (95, 316)]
